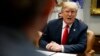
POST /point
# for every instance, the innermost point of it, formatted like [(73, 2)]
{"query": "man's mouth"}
[(69, 18)]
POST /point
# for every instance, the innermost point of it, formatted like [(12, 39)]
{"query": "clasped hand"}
[(53, 46)]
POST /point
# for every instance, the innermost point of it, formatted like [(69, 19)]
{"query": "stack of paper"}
[(64, 54), (48, 53)]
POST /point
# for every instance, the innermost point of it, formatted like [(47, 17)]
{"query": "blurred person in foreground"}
[(66, 34), (20, 21)]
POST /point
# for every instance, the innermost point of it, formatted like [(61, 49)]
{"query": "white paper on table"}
[(64, 54), (48, 53)]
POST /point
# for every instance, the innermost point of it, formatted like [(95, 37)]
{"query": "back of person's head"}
[(70, 4), (17, 12)]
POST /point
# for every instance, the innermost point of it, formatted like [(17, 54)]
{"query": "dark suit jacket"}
[(76, 39), (15, 43)]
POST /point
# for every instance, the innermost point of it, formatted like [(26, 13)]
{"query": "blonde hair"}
[(70, 4)]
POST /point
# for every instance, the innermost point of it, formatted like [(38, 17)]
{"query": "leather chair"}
[(90, 41), (36, 40)]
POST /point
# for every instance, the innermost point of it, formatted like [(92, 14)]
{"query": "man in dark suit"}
[(20, 21), (75, 38)]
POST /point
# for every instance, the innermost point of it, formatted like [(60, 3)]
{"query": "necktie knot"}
[(67, 26)]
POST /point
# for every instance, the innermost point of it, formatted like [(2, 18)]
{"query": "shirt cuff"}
[(62, 48)]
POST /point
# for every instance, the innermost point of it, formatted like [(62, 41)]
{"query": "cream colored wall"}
[(92, 21)]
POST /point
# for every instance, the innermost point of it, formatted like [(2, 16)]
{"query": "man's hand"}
[(53, 46)]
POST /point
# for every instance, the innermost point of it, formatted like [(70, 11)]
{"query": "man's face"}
[(69, 15)]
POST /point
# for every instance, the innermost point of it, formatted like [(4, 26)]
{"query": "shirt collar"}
[(64, 25)]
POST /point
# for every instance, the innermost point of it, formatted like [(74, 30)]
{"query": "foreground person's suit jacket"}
[(76, 39), (14, 43)]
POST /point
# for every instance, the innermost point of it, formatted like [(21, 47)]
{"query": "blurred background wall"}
[(92, 21)]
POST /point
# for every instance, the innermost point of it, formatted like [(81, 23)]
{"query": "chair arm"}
[(90, 53)]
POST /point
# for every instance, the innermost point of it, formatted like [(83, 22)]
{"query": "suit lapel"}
[(58, 31), (73, 32)]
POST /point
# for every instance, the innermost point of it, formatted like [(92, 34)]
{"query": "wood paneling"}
[(97, 44)]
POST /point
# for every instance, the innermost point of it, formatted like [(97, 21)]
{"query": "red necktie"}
[(65, 35)]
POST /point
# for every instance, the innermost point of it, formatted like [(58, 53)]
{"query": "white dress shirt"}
[(63, 28)]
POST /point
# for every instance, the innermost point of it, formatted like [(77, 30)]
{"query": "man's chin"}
[(69, 22)]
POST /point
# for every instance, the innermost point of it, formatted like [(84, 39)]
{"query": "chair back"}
[(90, 43)]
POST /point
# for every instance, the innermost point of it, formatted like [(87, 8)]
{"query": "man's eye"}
[(67, 11), (72, 11)]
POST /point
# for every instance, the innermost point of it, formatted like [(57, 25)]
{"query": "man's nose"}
[(70, 13)]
